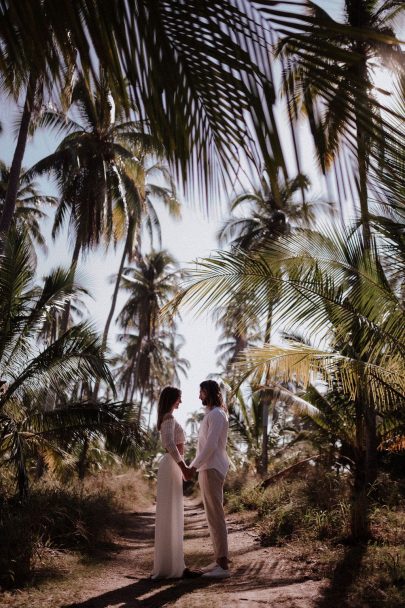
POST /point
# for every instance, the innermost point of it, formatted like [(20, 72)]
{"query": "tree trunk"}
[(66, 312), (265, 402), (359, 504), (140, 405), (115, 296), (128, 384), (363, 190), (265, 437), (150, 406), (366, 425), (371, 440), (22, 479), (15, 169), (128, 241), (365, 472), (82, 463), (40, 467)]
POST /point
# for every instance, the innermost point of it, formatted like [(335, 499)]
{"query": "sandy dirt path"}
[(260, 576)]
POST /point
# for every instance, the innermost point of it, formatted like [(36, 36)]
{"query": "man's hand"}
[(192, 472), (188, 473)]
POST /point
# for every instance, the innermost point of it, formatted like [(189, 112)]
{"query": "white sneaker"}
[(210, 567), (217, 572)]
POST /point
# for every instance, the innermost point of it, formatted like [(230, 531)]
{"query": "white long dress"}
[(169, 524)]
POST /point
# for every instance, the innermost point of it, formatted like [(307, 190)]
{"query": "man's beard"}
[(204, 402)]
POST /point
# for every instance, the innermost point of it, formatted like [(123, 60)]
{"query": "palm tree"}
[(246, 424), (268, 217), (343, 106), (148, 193), (387, 185), (204, 112), (99, 169), (329, 74), (175, 366), (146, 366), (29, 204), (39, 70), (150, 284), (31, 370), (330, 289), (239, 331)]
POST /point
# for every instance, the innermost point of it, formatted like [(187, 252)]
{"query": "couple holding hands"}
[(211, 463)]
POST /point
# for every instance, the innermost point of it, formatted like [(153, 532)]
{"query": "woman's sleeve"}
[(167, 434)]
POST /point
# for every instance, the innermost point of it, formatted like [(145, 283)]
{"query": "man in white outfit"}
[(212, 464)]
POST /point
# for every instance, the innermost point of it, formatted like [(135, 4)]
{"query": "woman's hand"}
[(191, 472), (188, 472), (184, 469)]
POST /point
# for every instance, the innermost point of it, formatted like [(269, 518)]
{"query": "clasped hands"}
[(188, 472)]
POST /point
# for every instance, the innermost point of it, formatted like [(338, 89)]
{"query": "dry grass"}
[(131, 491), (309, 518), (61, 525)]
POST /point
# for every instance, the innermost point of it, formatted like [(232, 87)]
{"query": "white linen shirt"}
[(211, 447)]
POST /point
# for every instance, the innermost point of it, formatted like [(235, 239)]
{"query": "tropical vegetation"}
[(292, 115)]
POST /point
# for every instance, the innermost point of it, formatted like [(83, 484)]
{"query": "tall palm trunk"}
[(66, 312), (363, 190), (82, 462), (125, 252), (359, 503), (15, 169), (266, 401), (128, 384), (366, 423)]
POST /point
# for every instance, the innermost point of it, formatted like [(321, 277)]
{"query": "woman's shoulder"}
[(167, 418)]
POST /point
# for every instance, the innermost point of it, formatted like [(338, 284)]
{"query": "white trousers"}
[(212, 492)]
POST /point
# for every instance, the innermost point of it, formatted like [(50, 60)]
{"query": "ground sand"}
[(260, 576)]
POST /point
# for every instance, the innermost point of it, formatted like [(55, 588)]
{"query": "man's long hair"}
[(167, 399), (214, 396)]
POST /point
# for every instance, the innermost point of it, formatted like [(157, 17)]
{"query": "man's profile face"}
[(203, 396)]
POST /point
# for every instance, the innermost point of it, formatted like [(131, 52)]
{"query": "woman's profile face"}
[(177, 402)]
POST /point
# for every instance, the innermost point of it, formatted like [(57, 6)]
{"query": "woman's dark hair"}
[(168, 397), (214, 395)]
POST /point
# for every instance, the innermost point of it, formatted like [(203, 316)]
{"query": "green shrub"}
[(315, 505), (380, 582), (280, 524), (251, 498), (18, 544)]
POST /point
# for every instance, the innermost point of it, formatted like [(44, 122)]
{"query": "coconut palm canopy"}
[(29, 204), (200, 73), (196, 70), (98, 165), (349, 310)]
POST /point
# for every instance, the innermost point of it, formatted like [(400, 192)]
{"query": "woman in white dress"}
[(169, 526)]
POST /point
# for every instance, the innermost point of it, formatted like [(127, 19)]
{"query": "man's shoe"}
[(187, 573), (210, 567), (217, 572)]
